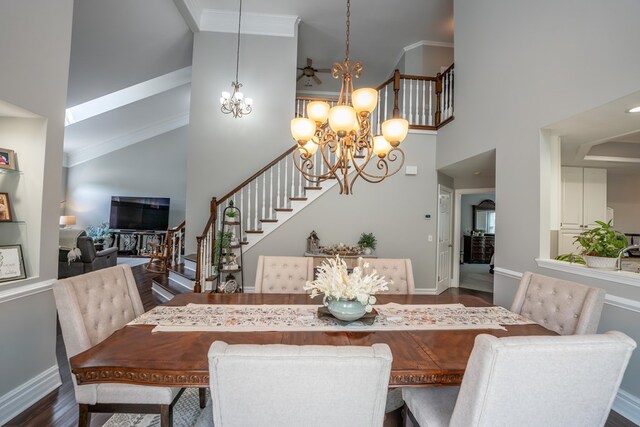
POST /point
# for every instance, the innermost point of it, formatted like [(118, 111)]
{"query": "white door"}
[(444, 247)]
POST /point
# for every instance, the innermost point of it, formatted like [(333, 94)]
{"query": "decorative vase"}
[(347, 310), (367, 251), (601, 263)]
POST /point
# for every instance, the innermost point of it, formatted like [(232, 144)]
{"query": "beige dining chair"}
[(398, 271), (562, 306), (283, 274), (90, 308), (537, 380), (292, 386)]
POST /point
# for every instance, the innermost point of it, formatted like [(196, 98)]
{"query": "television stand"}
[(135, 242)]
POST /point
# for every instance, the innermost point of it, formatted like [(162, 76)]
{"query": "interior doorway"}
[(474, 239)]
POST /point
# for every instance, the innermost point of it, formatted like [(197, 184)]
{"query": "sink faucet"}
[(622, 252)]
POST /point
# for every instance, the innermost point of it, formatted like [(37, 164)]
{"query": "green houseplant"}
[(231, 215), (222, 242), (601, 245), (367, 242)]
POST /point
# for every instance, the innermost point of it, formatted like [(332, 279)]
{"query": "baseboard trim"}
[(420, 291), (20, 398), (627, 405)]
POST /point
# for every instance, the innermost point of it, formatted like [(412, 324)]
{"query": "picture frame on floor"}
[(11, 263), (5, 208), (7, 159)]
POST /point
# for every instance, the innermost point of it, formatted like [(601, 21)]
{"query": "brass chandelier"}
[(343, 134)]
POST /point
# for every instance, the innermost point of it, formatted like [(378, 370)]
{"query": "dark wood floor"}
[(59, 409)]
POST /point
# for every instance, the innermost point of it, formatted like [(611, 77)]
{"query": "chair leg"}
[(166, 415), (84, 417), (202, 393)]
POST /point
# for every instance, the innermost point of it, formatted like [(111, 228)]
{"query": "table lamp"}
[(66, 221)]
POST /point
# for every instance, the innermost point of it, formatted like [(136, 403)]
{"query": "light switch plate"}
[(411, 170)]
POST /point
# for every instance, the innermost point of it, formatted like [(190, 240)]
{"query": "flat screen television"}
[(139, 213)]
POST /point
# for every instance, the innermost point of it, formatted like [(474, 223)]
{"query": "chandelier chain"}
[(238, 50), (346, 58)]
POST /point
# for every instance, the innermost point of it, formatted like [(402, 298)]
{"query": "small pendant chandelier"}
[(235, 103), (343, 134)]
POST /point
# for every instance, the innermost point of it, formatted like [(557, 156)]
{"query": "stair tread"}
[(268, 220), (181, 271), (191, 257), (313, 188), (254, 231), (163, 282), (283, 209), (298, 199)]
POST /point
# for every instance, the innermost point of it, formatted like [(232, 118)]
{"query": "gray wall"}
[(35, 64), (511, 81), (425, 60), (156, 167), (224, 151), (622, 196), (392, 210)]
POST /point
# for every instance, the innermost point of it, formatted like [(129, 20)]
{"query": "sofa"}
[(88, 260)]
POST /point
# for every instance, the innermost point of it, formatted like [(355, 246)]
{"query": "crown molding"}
[(225, 21), (76, 157)]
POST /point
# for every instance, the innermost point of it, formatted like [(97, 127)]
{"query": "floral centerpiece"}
[(347, 296)]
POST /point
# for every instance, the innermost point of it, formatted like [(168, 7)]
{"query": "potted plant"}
[(231, 215), (222, 242), (99, 233), (601, 246), (368, 243)]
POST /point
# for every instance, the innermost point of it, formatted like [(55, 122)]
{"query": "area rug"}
[(185, 413)]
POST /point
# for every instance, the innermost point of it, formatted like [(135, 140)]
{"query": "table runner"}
[(278, 318)]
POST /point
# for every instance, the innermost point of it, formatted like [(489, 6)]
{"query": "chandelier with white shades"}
[(235, 103), (343, 134)]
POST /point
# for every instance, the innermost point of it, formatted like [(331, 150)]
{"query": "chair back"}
[(545, 381), (397, 270), (562, 306), (292, 386), (94, 305), (283, 274)]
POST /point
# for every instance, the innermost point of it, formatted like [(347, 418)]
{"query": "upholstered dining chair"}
[(292, 386), (90, 308), (535, 380), (283, 274), (397, 270), (562, 306)]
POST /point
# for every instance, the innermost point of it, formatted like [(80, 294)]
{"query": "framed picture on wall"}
[(5, 208), (11, 263), (7, 159)]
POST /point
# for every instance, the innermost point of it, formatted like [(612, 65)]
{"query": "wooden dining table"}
[(136, 355)]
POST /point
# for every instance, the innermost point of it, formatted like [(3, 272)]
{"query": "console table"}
[(131, 242)]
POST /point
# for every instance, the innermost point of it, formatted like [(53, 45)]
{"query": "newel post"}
[(396, 90), (213, 209), (197, 288), (438, 95)]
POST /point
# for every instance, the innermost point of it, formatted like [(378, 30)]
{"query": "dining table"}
[(135, 354)]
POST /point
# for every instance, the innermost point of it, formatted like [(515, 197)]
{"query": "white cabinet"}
[(584, 197), (583, 202)]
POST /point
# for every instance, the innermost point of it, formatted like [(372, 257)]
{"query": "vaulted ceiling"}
[(119, 44)]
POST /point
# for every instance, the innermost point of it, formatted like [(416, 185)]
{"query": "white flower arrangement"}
[(334, 281)]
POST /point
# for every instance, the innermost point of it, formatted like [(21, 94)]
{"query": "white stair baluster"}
[(417, 114), (404, 99), (242, 212), (386, 97), (410, 98), (256, 208), (430, 103), (264, 195), (278, 198), (271, 193), (377, 127), (292, 187), (248, 214), (424, 102)]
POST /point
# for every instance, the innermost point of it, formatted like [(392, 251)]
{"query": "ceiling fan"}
[(310, 73)]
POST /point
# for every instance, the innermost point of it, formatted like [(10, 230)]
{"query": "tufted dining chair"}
[(91, 307), (397, 270), (526, 381), (283, 274), (562, 306), (291, 386)]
